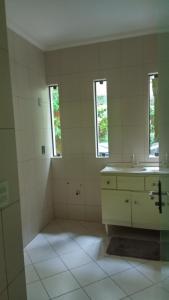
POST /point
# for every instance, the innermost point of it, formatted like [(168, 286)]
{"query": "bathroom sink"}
[(150, 169), (128, 168)]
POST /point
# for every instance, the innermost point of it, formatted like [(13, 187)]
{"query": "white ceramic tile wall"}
[(126, 64), (164, 88), (32, 121), (11, 247)]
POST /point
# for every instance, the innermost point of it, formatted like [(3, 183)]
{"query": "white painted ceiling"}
[(52, 24)]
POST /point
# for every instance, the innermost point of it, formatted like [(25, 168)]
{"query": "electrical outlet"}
[(4, 193)]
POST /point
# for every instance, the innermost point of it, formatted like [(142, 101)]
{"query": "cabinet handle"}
[(135, 202), (126, 201), (154, 184), (108, 182)]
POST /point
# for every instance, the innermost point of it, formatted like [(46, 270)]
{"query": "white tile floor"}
[(67, 261)]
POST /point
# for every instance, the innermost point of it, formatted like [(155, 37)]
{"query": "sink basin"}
[(128, 168), (150, 169)]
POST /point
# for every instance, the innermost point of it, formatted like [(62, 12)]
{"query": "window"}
[(153, 115), (101, 120), (55, 120)]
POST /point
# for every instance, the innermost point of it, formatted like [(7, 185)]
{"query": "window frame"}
[(54, 146), (150, 156), (96, 120)]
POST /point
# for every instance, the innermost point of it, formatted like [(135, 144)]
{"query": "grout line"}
[(69, 270), (4, 253), (64, 294), (9, 204), (92, 260), (143, 289), (5, 128)]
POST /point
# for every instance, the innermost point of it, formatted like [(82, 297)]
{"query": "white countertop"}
[(141, 170)]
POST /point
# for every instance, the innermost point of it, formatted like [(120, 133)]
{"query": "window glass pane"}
[(55, 118), (153, 115), (101, 119)]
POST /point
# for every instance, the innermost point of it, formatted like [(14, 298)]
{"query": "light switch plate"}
[(4, 193)]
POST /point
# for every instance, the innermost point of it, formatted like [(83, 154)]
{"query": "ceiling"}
[(53, 24)]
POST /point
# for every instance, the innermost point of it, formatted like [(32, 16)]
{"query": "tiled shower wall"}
[(12, 277), (32, 123), (125, 64)]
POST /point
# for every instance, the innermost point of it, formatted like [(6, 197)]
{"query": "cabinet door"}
[(144, 212), (116, 208)]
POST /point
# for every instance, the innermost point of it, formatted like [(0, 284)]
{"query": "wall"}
[(125, 64), (12, 277), (32, 123), (163, 60)]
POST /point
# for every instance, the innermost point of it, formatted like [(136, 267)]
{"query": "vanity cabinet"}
[(126, 200)]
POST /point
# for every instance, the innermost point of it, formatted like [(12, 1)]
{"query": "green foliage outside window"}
[(154, 114), (152, 124), (102, 118), (56, 116)]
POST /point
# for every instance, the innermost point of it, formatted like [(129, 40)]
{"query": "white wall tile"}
[(72, 141), (110, 54), (70, 60), (12, 241), (4, 295), (53, 62), (76, 196), (3, 38), (86, 88), (17, 289), (70, 88), (72, 114), (89, 60), (92, 192), (163, 46), (138, 105), (115, 83), (132, 51), (22, 82), (10, 37), (150, 48), (115, 112), (116, 140), (131, 81), (8, 163), (6, 112), (87, 116), (61, 210), (125, 64), (3, 281), (13, 77), (10, 228), (76, 212), (133, 139), (58, 171), (93, 213), (21, 50), (88, 138)]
